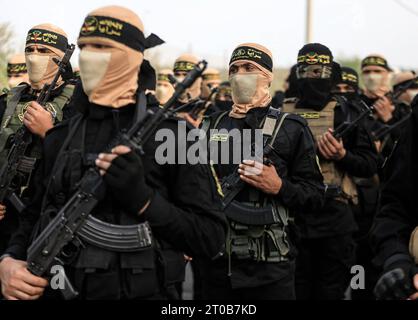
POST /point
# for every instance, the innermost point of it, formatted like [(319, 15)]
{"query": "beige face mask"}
[(244, 87), (249, 90), (163, 93), (37, 66), (93, 66), (110, 75), (376, 83)]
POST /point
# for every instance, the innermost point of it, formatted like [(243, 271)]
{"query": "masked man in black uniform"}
[(260, 252), (177, 202), (326, 251)]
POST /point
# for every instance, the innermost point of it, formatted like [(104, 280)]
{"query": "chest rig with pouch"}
[(13, 119), (339, 185), (257, 227)]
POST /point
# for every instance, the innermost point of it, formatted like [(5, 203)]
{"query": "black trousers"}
[(323, 267), (283, 289)]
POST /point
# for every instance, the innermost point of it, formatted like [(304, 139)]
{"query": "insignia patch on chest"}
[(219, 137), (309, 115), (49, 107)]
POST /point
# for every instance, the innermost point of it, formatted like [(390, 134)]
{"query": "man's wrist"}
[(4, 256)]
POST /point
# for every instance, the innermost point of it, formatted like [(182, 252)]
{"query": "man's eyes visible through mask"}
[(33, 49), (314, 72)]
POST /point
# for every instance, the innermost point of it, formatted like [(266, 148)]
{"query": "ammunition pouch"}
[(258, 243), (95, 266), (346, 193), (258, 232)]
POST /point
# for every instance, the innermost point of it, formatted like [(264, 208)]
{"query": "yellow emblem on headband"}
[(106, 26), (47, 37), (163, 77), (183, 66), (242, 53), (349, 77), (374, 61), (17, 68), (89, 26), (314, 58)]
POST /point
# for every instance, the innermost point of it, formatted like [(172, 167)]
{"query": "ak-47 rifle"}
[(23, 138), (346, 127), (232, 185), (58, 243)]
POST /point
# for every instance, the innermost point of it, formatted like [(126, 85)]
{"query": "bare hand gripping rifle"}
[(346, 127), (23, 138)]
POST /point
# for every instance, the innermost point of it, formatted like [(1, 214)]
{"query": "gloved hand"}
[(396, 282), (123, 172)]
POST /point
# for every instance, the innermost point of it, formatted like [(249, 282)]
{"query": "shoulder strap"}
[(206, 122), (15, 95), (272, 124), (141, 107)]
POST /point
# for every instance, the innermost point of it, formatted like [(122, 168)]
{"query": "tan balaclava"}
[(16, 70), (376, 84), (109, 74), (41, 67), (185, 63), (165, 88), (210, 80), (251, 89)]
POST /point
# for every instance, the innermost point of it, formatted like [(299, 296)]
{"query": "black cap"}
[(375, 60), (315, 53), (349, 76)]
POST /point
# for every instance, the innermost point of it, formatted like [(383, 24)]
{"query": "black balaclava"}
[(224, 90), (315, 91), (350, 77)]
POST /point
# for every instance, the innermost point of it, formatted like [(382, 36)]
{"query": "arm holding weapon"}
[(23, 138), (330, 144), (58, 243)]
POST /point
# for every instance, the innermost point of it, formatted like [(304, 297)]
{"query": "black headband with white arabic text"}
[(48, 38), (252, 54)]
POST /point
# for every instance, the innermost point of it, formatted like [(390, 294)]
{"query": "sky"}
[(213, 28)]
